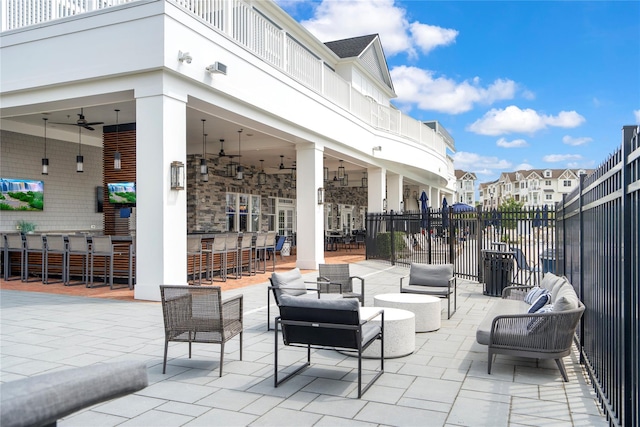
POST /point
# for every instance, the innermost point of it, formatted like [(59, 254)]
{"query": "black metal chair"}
[(34, 243), (13, 243), (336, 324), (335, 278), (432, 279), (197, 314)]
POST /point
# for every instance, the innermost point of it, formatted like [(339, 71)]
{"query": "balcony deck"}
[(444, 382)]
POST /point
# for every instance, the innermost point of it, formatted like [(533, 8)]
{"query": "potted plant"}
[(26, 227)]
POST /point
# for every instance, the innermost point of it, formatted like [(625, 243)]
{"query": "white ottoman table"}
[(399, 332), (425, 307)]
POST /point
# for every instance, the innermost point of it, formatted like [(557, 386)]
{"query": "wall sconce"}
[(341, 171), (217, 68), (262, 177), (378, 148), (177, 175), (401, 205), (365, 180), (184, 57), (384, 204), (320, 195)]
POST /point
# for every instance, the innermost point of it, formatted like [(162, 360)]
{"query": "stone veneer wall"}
[(70, 202), (206, 201)]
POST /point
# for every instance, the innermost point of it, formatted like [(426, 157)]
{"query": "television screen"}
[(21, 194), (122, 193)]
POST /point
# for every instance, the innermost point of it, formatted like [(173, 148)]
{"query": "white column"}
[(394, 192), (377, 189), (161, 214), (309, 214)]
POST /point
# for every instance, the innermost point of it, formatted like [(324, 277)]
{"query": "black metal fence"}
[(598, 242), (462, 238)]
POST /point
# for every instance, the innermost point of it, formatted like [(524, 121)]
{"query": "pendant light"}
[(239, 169), (79, 157), (45, 160), (345, 181), (365, 180), (262, 177), (204, 170), (325, 174), (341, 171), (117, 159)]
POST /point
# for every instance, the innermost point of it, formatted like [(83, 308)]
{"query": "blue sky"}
[(519, 85)]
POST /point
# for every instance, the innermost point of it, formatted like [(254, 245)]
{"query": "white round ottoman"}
[(399, 332), (426, 308)]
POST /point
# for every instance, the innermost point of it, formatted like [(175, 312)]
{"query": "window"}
[(547, 182), (566, 183), (271, 214), (231, 212), (243, 212), (548, 196), (547, 174)]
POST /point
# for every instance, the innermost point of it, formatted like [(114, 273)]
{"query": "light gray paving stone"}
[(394, 415), (329, 421), (262, 405), (330, 387), (234, 381), (157, 418), (232, 400), (425, 404), (188, 393), (433, 389), (129, 406), (474, 412), (536, 407), (93, 419), (498, 387), (31, 367), (539, 420), (282, 417), (383, 394), (298, 400), (188, 409), (337, 406)]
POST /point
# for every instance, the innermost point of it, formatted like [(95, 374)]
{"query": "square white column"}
[(376, 189), (394, 192), (310, 214), (161, 214)]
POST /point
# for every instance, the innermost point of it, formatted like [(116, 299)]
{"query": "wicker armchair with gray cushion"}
[(542, 329), (335, 324), (43, 399), (291, 283), (197, 314), (432, 279), (335, 278)]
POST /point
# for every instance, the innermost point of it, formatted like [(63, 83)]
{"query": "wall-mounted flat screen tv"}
[(122, 193), (21, 194)]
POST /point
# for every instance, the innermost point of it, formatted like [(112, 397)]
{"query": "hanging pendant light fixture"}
[(262, 177), (117, 160), (345, 181), (45, 160), (79, 157), (325, 174), (365, 180), (204, 170), (341, 171), (239, 169)]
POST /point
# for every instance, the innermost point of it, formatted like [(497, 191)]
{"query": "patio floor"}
[(443, 383)]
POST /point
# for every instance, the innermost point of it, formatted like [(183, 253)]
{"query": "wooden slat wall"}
[(125, 139)]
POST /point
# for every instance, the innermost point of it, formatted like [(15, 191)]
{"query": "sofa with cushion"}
[(533, 321)]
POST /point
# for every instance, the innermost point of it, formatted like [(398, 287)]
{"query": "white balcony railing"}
[(251, 29)]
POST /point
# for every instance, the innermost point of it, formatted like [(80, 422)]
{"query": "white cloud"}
[(555, 158), (569, 140), (429, 37), (523, 167), (479, 164), (636, 113), (513, 119), (516, 143), (428, 92)]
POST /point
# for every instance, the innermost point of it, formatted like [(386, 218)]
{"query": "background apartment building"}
[(465, 187), (535, 187)]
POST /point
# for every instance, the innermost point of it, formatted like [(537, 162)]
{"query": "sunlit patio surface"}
[(444, 382)]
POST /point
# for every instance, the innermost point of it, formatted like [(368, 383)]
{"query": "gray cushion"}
[(500, 307), (430, 274), (328, 303), (534, 293), (549, 281), (566, 299), (557, 289), (289, 282)]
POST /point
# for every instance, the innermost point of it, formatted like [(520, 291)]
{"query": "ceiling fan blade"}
[(60, 123), (88, 127), (93, 123)]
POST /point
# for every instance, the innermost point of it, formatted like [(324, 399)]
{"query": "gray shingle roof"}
[(353, 47)]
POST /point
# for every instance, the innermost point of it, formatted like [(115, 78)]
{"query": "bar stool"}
[(55, 245), (78, 245), (260, 252), (13, 242), (219, 247), (232, 248), (34, 243), (102, 246), (195, 253), (132, 255), (270, 245), (246, 248)]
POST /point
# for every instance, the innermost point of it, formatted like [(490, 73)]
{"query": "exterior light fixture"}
[(384, 204), (341, 171), (232, 169), (79, 157), (217, 68), (325, 174), (320, 195), (365, 180), (177, 175), (239, 169), (204, 170), (117, 159), (45, 160), (262, 177), (294, 174), (345, 181), (184, 57)]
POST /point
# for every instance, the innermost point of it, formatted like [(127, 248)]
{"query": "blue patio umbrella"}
[(494, 218), (462, 207), (545, 216), (536, 219), (423, 207), (445, 213)]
